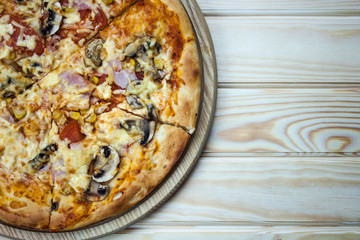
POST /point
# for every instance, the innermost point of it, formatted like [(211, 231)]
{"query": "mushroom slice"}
[(128, 124), (148, 128), (93, 52), (105, 164), (152, 112), (134, 101), (52, 23), (131, 50), (96, 192), (40, 161)]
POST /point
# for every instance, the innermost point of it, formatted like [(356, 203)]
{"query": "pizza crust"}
[(24, 203), (188, 97)]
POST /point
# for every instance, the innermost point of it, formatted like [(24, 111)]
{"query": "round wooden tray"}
[(183, 169)]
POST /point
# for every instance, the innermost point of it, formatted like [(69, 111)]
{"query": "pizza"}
[(98, 102)]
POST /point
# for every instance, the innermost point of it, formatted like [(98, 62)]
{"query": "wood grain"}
[(280, 7), (230, 232), (287, 50), (266, 191), (286, 121)]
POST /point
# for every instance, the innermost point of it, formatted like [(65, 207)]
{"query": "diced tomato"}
[(72, 131)]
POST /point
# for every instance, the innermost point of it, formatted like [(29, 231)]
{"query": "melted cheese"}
[(26, 41), (110, 52), (6, 29), (72, 17)]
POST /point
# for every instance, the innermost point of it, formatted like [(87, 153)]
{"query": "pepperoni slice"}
[(21, 27), (99, 22), (72, 131)]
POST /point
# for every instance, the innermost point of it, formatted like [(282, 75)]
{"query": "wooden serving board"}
[(180, 173)]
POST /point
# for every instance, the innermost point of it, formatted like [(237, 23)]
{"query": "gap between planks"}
[(289, 85), (278, 12)]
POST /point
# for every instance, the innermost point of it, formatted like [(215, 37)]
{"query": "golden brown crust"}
[(166, 148), (185, 23), (24, 202), (186, 107)]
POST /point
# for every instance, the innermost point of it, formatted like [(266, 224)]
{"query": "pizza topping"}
[(93, 52), (148, 128), (152, 114), (54, 206), (74, 79), (123, 78), (72, 132), (105, 165), (134, 101), (108, 2), (51, 24), (145, 127), (96, 192), (41, 160)]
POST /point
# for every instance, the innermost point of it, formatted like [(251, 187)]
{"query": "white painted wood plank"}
[(236, 233), (270, 190), (287, 50), (286, 121), (305, 7)]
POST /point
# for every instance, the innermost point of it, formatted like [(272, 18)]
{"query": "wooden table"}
[(283, 158)]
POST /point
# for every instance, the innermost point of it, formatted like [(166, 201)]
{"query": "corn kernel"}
[(108, 1), (57, 114), (68, 10), (12, 55), (132, 62), (91, 118), (159, 63), (74, 115), (19, 113), (95, 80), (9, 100), (83, 111)]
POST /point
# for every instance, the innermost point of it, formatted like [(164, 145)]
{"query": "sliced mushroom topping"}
[(9, 94), (40, 161), (105, 165), (54, 205), (152, 112), (52, 23), (128, 124), (134, 101), (148, 128), (131, 50), (96, 192), (141, 53), (93, 51)]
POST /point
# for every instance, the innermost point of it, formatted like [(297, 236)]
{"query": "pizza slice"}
[(116, 162), (155, 43), (25, 184)]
